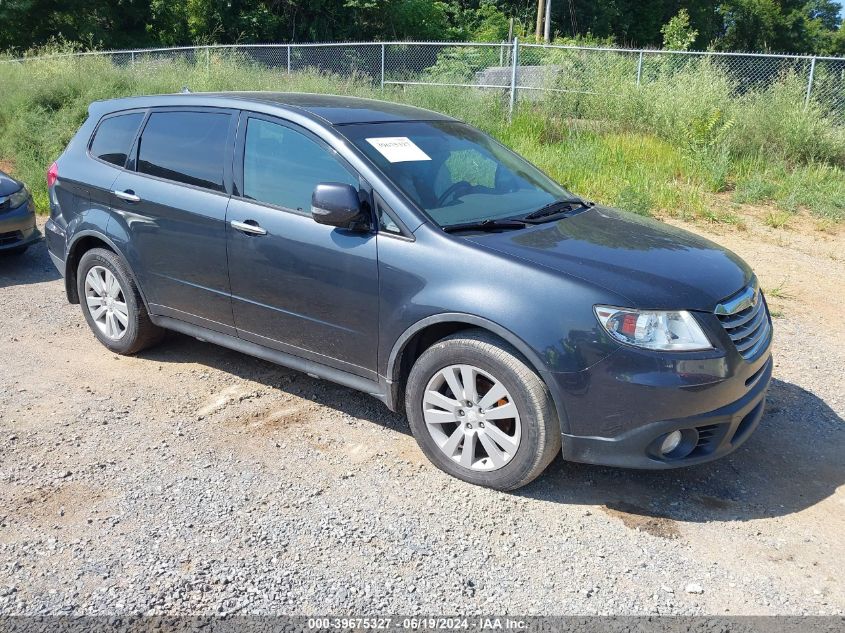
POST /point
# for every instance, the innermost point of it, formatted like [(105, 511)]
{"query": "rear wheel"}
[(112, 304), (480, 413)]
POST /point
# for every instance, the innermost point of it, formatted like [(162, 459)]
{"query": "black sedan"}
[(17, 217)]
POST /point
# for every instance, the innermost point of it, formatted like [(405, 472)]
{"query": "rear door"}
[(170, 205), (298, 286), (110, 147)]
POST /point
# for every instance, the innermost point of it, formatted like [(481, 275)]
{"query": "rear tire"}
[(112, 305), (501, 431)]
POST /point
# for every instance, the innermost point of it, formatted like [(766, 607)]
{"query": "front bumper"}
[(713, 434), (618, 411), (17, 228)]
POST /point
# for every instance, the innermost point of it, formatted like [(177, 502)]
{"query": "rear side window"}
[(282, 166), (114, 137), (188, 147)]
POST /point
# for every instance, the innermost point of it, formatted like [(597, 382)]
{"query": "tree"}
[(811, 26), (677, 33)]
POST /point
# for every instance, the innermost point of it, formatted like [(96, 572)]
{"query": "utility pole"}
[(548, 32), (538, 33)]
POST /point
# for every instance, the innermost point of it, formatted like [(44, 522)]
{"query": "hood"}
[(650, 263), (8, 185)]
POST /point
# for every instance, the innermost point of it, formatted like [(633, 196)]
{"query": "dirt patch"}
[(62, 503), (6, 165), (643, 520)]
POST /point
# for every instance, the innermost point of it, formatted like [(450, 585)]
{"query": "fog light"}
[(671, 442)]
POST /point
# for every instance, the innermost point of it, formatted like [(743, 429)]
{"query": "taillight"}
[(52, 175)]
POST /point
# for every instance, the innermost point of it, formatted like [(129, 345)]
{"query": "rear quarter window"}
[(187, 147), (114, 137)]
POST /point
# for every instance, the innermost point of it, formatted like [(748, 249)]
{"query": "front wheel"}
[(480, 413)]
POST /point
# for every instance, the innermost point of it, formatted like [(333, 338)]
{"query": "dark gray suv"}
[(403, 253)]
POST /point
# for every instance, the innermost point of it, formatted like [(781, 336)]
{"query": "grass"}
[(780, 291), (667, 148)]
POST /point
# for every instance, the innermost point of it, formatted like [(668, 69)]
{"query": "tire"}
[(523, 445), (125, 312)]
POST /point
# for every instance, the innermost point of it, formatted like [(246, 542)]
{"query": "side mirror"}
[(336, 204)]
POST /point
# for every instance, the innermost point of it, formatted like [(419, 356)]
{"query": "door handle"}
[(127, 195), (249, 226)]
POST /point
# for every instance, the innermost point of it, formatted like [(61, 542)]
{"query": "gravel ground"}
[(192, 479)]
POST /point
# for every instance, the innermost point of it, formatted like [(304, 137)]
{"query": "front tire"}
[(112, 304), (480, 413)]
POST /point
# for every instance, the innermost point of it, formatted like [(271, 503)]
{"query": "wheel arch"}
[(83, 242), (422, 334)]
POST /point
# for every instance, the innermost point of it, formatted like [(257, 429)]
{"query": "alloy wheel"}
[(106, 302), (472, 417)]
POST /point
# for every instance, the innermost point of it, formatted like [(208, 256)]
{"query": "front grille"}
[(706, 436), (746, 320)]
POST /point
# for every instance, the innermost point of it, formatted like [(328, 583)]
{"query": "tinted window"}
[(114, 137), (282, 167), (186, 147)]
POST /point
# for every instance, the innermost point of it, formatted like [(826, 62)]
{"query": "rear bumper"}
[(17, 228), (56, 244), (713, 434)]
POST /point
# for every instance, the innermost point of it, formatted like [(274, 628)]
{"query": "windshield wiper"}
[(555, 208), (485, 225)]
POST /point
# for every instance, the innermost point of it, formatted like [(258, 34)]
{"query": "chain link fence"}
[(521, 71)]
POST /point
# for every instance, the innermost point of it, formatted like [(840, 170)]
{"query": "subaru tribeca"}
[(408, 255)]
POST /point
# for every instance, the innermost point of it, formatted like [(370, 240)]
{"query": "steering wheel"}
[(452, 190)]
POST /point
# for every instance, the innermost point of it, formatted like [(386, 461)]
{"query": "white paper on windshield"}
[(398, 149)]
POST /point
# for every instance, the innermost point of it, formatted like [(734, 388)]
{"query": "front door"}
[(298, 286)]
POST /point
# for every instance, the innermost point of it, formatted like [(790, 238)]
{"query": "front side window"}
[(188, 147), (282, 167), (386, 223), (114, 137), (453, 172)]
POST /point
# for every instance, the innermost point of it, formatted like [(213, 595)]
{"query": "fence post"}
[(639, 69), (514, 63), (133, 59), (382, 66), (810, 82), (208, 59), (288, 59)]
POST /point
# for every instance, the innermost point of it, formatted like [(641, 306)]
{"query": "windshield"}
[(454, 172)]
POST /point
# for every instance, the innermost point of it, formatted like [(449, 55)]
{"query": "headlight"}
[(19, 198), (668, 331)]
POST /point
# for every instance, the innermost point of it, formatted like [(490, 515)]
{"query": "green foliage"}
[(678, 35), (775, 123), (459, 64), (660, 149), (775, 25)]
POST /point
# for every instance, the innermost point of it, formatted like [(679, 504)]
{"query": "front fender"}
[(394, 359), (394, 363)]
